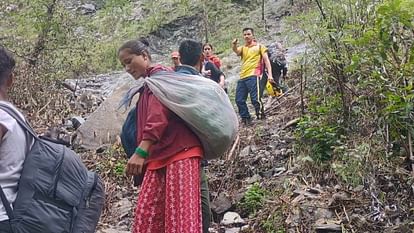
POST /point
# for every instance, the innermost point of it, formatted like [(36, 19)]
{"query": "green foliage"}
[(319, 137), (120, 168), (253, 199), (112, 162), (362, 67), (273, 223), (320, 130), (350, 166)]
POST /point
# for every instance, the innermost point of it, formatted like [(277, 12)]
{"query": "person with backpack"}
[(252, 55), (44, 186), (277, 57), (12, 137), (168, 154)]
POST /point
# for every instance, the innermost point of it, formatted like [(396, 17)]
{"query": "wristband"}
[(142, 153)]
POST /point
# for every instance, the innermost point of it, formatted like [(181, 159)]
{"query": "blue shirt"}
[(185, 69)]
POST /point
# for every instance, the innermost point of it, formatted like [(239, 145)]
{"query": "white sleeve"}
[(7, 121)]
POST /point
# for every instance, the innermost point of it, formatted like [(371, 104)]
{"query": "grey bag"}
[(56, 192), (202, 104)]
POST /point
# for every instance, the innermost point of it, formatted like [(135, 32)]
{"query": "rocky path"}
[(260, 157)]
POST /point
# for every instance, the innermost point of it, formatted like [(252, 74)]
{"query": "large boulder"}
[(104, 125)]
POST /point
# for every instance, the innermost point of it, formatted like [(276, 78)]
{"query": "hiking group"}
[(180, 120)]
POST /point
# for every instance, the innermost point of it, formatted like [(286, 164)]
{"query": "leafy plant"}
[(362, 67), (253, 199), (273, 223), (319, 132)]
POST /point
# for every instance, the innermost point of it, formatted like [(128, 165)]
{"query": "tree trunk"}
[(42, 38)]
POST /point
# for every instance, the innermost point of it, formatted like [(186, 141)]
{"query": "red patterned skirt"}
[(169, 201)]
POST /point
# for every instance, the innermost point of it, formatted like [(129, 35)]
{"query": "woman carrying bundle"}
[(168, 152)]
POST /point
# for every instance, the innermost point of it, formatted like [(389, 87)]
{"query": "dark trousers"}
[(5, 227), (205, 202), (246, 86)]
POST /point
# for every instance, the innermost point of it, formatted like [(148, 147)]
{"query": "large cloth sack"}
[(202, 104)]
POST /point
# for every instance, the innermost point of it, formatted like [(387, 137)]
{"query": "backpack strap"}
[(6, 204), (28, 129), (19, 120), (260, 52)]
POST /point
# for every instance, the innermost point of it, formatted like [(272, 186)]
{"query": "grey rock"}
[(79, 31), (322, 213), (77, 121), (245, 228), (331, 227), (278, 171), (232, 218), (123, 207), (255, 178), (104, 125), (268, 173), (359, 188), (233, 230), (253, 148), (245, 152), (68, 124), (111, 230), (12, 8), (239, 196), (292, 122), (87, 8), (221, 204)]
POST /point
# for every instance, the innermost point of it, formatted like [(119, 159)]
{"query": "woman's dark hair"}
[(208, 44), (139, 47), (7, 64)]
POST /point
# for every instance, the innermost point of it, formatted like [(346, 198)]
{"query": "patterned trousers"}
[(169, 201)]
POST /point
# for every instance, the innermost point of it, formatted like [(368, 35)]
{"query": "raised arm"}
[(237, 50)]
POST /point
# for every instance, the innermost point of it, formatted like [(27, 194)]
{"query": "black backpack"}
[(56, 192), (276, 56)]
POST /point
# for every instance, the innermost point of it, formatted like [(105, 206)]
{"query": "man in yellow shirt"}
[(253, 55)]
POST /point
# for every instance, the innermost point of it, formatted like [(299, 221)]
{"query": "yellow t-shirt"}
[(252, 63)]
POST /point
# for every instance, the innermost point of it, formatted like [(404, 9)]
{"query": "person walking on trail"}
[(209, 55), (168, 154), (191, 59), (252, 55), (278, 61), (12, 137), (211, 66)]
